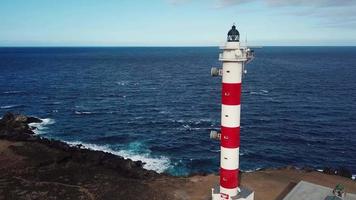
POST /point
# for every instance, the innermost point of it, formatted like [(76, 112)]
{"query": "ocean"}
[(158, 104)]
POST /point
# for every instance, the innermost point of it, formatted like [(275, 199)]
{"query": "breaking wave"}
[(41, 128), (134, 151), (83, 113), (11, 106)]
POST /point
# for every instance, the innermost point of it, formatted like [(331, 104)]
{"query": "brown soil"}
[(269, 184)]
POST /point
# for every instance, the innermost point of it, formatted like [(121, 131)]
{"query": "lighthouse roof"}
[(233, 31), (233, 35)]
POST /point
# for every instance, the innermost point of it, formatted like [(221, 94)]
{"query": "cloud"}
[(304, 3), (177, 2), (329, 13)]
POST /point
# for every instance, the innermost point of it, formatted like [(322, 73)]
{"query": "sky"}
[(176, 22)]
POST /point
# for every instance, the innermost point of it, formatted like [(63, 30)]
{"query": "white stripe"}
[(230, 115), (230, 192), (229, 158), (232, 72)]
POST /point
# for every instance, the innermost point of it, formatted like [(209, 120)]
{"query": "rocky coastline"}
[(33, 167)]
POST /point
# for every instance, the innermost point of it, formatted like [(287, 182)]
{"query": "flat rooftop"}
[(309, 191)]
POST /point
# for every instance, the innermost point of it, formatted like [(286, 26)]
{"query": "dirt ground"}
[(272, 184), (30, 170)]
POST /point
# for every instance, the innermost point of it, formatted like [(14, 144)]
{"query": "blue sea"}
[(159, 104)]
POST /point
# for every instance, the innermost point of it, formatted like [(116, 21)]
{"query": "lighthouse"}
[(234, 57)]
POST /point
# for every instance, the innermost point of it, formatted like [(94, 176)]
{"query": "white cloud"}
[(305, 3), (177, 2), (329, 13)]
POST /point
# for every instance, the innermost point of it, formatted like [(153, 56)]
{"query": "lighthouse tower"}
[(234, 56)]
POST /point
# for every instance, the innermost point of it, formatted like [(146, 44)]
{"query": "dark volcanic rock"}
[(341, 171), (55, 170), (344, 172), (329, 170), (33, 120), (16, 126)]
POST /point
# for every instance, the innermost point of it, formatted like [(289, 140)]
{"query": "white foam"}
[(9, 106), (122, 83), (252, 170), (12, 92), (353, 177), (82, 113), (261, 92), (156, 163), (41, 127), (186, 126)]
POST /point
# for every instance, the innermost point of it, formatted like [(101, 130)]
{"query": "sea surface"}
[(159, 104)]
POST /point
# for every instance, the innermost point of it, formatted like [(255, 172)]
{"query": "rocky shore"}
[(32, 167)]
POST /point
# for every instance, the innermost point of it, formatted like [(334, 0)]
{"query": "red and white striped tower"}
[(233, 57)]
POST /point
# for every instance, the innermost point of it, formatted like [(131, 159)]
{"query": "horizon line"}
[(159, 46)]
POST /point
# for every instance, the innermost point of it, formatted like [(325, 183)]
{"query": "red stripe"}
[(229, 178), (230, 137), (231, 93)]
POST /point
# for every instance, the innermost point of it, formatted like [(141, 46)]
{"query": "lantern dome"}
[(233, 35)]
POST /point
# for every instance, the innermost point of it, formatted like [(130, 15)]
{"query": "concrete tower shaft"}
[(233, 58)]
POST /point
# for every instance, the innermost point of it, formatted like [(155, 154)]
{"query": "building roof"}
[(310, 191)]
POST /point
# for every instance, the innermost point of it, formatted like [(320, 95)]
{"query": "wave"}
[(94, 113), (124, 83), (13, 92), (41, 128), (11, 106), (164, 112), (83, 113), (134, 152), (193, 122), (188, 127), (261, 92), (252, 170), (53, 103)]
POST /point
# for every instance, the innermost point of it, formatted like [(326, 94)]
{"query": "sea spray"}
[(135, 151), (41, 128)]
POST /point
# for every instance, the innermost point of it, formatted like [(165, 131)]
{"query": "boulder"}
[(33, 120), (329, 170), (21, 118), (13, 125), (344, 172)]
